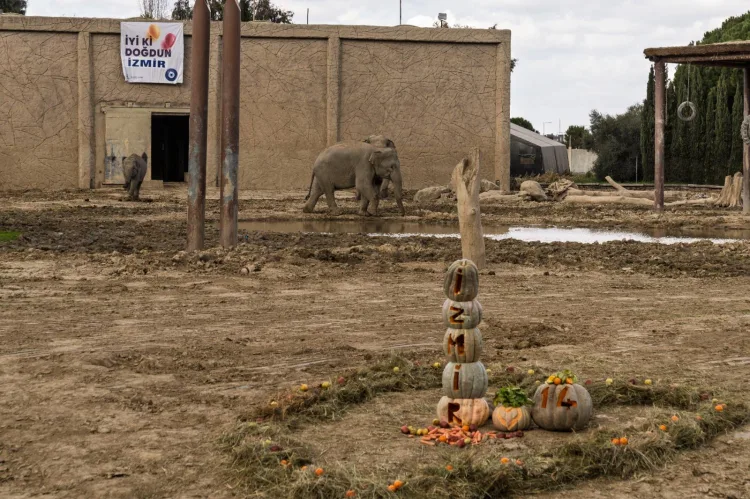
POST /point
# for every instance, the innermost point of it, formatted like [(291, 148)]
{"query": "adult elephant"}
[(396, 179), (346, 165)]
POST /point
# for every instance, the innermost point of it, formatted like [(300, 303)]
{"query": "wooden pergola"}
[(729, 55)]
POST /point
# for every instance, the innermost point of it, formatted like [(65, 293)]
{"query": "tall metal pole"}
[(198, 126), (399, 12), (659, 101), (230, 128), (308, 15), (746, 152)]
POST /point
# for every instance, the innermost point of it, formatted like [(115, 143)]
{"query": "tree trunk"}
[(614, 199), (467, 181)]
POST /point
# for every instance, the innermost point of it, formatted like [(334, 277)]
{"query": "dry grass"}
[(257, 449)]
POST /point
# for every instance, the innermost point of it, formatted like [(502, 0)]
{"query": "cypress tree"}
[(697, 129), (723, 133), (735, 158), (647, 130), (709, 163)]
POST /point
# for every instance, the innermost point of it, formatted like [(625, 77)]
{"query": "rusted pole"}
[(659, 69), (746, 152), (230, 129), (198, 126)]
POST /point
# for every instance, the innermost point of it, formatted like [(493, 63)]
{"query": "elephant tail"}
[(309, 189)]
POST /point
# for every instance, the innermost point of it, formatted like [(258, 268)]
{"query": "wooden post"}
[(660, 100), (467, 180), (746, 151)]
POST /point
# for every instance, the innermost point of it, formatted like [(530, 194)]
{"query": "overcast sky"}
[(573, 55)]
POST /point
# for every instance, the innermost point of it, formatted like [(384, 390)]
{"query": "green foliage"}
[(708, 148), (13, 6), (578, 137), (512, 396), (264, 11), (523, 122), (617, 142), (8, 236)]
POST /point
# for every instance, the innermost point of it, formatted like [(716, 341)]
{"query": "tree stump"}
[(467, 181)]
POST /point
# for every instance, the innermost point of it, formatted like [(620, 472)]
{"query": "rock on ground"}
[(532, 190), (430, 194)]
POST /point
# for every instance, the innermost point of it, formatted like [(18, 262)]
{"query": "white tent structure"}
[(535, 154)]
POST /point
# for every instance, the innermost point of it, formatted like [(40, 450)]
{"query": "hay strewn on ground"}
[(268, 459)]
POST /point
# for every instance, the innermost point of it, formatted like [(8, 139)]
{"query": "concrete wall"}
[(436, 93), (581, 160)]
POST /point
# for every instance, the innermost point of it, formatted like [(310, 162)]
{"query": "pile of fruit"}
[(455, 435)]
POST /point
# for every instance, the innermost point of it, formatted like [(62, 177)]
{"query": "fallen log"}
[(612, 199), (669, 195)]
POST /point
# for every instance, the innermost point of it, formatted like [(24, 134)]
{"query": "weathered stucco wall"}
[(435, 100), (436, 93), (38, 110)]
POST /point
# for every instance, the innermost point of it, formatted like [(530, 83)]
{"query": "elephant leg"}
[(363, 204), (131, 190), (375, 202), (138, 190), (369, 195), (315, 194), (397, 193), (330, 191)]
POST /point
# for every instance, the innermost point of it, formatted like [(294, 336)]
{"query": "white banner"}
[(152, 52)]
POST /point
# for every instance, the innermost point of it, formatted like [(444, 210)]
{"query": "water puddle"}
[(391, 228)]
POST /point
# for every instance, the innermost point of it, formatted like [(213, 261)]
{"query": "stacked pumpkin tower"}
[(464, 378)]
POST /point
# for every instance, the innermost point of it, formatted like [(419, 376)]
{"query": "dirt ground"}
[(123, 359)]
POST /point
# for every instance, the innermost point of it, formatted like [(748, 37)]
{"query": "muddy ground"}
[(123, 359)]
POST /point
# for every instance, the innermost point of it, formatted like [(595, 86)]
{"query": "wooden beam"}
[(746, 150), (660, 70)]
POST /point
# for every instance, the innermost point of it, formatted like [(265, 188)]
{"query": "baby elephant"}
[(347, 165), (134, 169)]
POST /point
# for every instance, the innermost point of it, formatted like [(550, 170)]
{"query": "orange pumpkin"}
[(463, 345), (463, 411), (511, 418), (461, 281), (462, 314)]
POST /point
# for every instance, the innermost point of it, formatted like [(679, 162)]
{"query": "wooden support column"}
[(746, 151), (334, 90), (502, 116), (86, 147), (659, 104)]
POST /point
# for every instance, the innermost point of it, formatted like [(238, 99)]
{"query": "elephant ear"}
[(377, 155), (390, 144)]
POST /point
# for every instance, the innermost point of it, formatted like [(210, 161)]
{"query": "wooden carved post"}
[(467, 181), (464, 378)]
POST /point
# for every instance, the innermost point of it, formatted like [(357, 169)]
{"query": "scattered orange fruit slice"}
[(615, 441), (319, 471), (663, 427), (719, 407), (448, 467), (623, 441), (392, 488), (675, 418), (505, 460), (350, 493), (398, 484)]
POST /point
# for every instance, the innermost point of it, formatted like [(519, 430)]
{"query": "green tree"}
[(259, 10), (710, 171), (523, 122), (647, 130), (182, 10), (723, 132), (13, 6), (617, 143), (578, 137)]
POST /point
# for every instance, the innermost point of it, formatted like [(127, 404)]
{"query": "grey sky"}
[(574, 55)]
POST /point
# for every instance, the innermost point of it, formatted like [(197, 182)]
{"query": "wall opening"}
[(169, 147)]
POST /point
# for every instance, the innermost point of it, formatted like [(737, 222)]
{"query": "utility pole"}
[(308, 15), (399, 12)]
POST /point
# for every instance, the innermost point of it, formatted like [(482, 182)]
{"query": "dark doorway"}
[(169, 147)]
